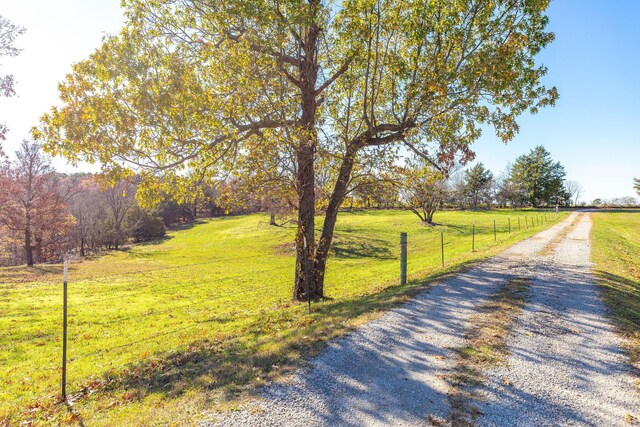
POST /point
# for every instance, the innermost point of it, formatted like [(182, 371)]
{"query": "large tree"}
[(33, 202), (189, 86), (478, 183), (636, 185), (540, 178), (8, 33)]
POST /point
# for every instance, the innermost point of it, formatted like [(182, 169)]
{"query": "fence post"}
[(495, 236), (442, 246), (519, 229), (64, 333), (526, 223), (509, 225), (473, 237), (403, 258)]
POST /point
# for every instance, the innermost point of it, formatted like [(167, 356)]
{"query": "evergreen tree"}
[(540, 179), (478, 182)]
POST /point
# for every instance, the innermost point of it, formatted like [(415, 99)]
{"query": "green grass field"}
[(616, 254), (159, 332)]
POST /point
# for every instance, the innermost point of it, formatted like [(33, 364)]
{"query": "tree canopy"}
[(188, 88)]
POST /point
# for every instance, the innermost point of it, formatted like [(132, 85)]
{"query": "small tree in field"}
[(424, 190)]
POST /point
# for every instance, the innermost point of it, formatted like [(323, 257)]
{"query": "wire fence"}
[(114, 332)]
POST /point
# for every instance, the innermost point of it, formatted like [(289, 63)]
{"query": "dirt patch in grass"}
[(486, 347)]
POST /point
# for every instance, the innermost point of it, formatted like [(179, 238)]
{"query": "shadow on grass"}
[(75, 415), (186, 225), (274, 342), (361, 247), (623, 296)]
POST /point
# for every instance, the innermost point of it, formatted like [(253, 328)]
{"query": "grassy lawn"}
[(616, 254), (159, 332)]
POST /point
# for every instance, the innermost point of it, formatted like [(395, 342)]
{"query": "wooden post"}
[(519, 229), (403, 258), (509, 225)]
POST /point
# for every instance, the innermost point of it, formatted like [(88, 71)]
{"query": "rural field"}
[(616, 254), (158, 331), (319, 213)]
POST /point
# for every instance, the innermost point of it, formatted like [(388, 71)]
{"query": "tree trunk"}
[(82, 247), (272, 219), (305, 238), (28, 248), (339, 192), (305, 179), (430, 217)]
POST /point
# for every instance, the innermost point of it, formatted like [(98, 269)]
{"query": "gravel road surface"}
[(566, 367), (390, 372)]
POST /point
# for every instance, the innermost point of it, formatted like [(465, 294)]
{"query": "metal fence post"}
[(509, 225), (64, 333), (442, 245), (473, 237), (526, 223), (403, 258), (495, 236), (519, 229)]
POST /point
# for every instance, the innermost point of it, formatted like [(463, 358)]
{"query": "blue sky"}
[(594, 130)]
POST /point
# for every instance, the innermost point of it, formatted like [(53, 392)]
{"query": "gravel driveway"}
[(566, 367), (390, 372)]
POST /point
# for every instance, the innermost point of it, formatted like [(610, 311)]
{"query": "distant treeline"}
[(45, 214)]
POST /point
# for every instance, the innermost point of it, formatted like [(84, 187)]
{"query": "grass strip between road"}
[(550, 247), (486, 347)]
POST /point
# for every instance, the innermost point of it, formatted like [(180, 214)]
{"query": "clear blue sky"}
[(594, 130)]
